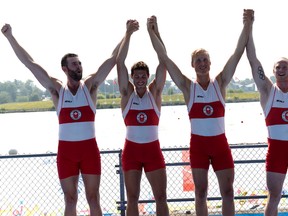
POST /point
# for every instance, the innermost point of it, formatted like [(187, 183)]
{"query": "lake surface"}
[(37, 132)]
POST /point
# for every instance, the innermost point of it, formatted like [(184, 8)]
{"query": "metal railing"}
[(29, 184)]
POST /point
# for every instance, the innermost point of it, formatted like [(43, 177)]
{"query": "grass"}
[(176, 99), (27, 106), (242, 97)]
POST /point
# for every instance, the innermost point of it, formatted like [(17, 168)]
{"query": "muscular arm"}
[(225, 76), (94, 80), (180, 80), (157, 85), (125, 86), (53, 85), (263, 83)]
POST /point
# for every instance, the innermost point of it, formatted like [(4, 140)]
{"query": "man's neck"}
[(283, 85), (73, 86), (203, 81), (141, 91)]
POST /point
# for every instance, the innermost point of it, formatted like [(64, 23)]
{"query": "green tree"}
[(5, 97), (170, 91)]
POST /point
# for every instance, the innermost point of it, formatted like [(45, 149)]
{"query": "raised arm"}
[(94, 80), (125, 86), (157, 85), (225, 76), (263, 83), (51, 84), (180, 80)]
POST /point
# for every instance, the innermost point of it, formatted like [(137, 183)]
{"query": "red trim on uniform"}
[(86, 115), (132, 118), (198, 110), (275, 116)]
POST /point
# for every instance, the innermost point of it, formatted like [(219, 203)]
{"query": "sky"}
[(92, 28)]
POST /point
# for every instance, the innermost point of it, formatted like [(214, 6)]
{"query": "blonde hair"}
[(199, 51), (281, 59)]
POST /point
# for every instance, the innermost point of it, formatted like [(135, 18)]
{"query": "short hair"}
[(279, 60), (198, 51), (139, 66), (64, 58)]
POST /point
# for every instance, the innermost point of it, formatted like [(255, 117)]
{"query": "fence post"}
[(122, 206)]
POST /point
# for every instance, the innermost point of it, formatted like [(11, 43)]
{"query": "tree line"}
[(20, 91)]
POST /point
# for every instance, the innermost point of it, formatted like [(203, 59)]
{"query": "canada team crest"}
[(208, 110), (285, 116), (141, 117), (75, 114)]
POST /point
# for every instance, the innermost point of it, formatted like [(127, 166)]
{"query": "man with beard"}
[(75, 103)]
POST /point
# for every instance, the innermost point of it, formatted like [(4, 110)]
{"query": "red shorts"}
[(277, 156), (214, 150), (136, 156), (76, 157)]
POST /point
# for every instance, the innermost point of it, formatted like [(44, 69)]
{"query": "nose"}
[(79, 66), (202, 61)]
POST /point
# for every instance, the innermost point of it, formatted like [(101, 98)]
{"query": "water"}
[(37, 132)]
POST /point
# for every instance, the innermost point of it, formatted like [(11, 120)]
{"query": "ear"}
[(192, 64), (64, 68)]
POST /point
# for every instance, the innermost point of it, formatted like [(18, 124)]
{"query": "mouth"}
[(140, 83), (281, 74), (202, 68)]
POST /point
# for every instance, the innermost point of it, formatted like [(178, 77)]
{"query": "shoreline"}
[(112, 105)]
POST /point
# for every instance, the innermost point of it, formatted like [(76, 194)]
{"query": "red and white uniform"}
[(208, 143), (141, 117), (76, 115), (276, 117), (142, 147), (276, 113), (77, 149), (206, 110)]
